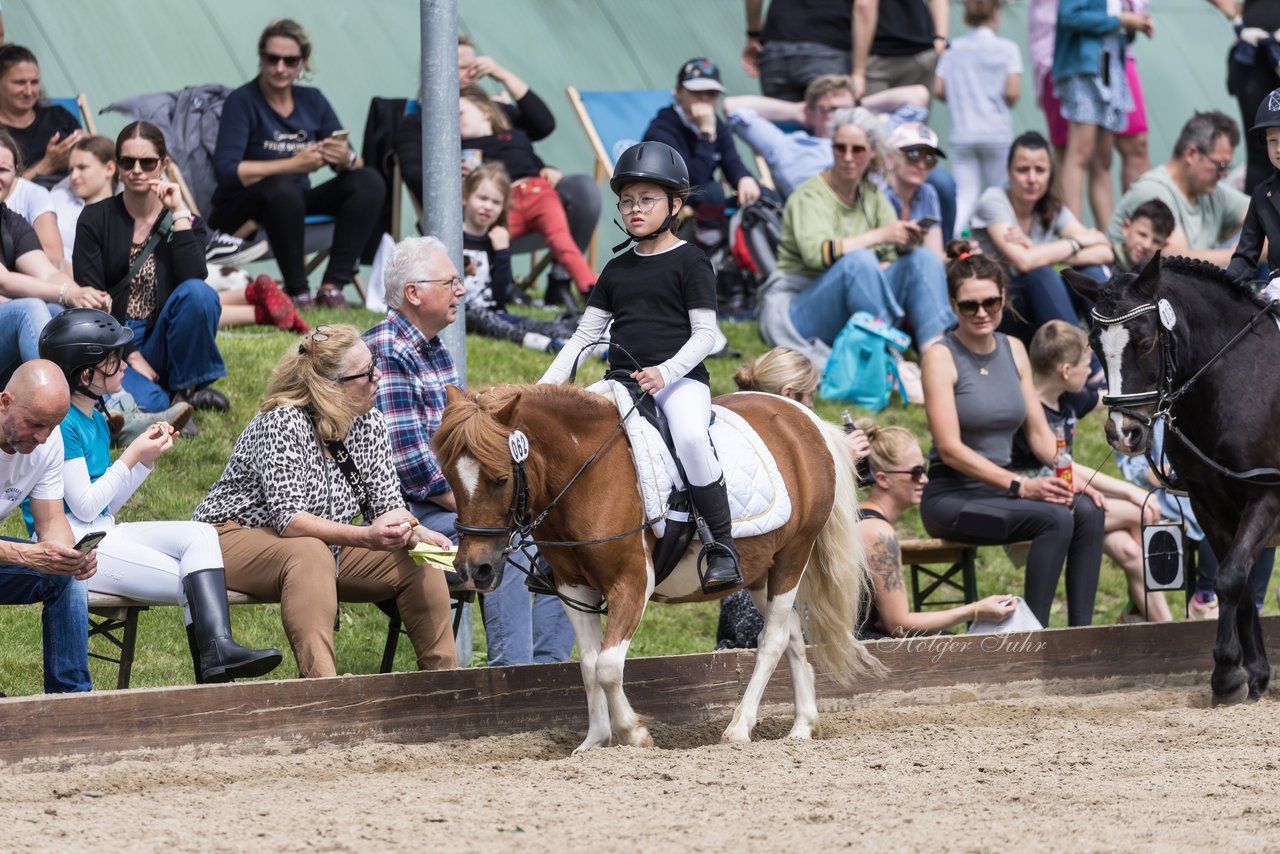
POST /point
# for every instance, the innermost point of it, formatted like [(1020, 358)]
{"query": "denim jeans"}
[(441, 520), (182, 346), (787, 67), (520, 632), (942, 181), (1041, 295), (65, 622), (913, 287), (21, 322)]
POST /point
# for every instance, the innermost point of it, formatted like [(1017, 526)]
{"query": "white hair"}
[(412, 260), (868, 123)]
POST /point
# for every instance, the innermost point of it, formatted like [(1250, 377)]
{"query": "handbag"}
[(861, 369)]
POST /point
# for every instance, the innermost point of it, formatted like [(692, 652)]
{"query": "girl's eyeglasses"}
[(148, 164), (917, 155), (365, 374), (644, 204), (273, 59), (844, 150), (969, 307), (916, 472)]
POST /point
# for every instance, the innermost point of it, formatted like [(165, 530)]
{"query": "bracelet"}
[(351, 158), (1074, 244), (62, 294), (975, 612), (753, 34), (183, 214), (946, 42)]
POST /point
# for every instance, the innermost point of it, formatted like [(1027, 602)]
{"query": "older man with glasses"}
[(423, 291), (1207, 213)]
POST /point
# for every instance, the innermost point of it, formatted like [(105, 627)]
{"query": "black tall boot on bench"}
[(712, 504), (216, 657)]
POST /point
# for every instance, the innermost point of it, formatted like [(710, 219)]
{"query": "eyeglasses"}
[(842, 150), (916, 155), (1223, 166), (969, 307), (452, 283), (317, 335), (916, 472), (365, 374), (148, 164), (274, 59), (644, 204)]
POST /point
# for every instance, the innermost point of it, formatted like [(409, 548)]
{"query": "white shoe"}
[(912, 384), (227, 251)]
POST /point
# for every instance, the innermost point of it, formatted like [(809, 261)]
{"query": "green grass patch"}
[(185, 475)]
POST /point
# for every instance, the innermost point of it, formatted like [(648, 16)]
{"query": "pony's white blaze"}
[(468, 475), (1114, 341)]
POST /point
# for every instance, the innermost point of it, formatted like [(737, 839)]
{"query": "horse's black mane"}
[(1206, 270)]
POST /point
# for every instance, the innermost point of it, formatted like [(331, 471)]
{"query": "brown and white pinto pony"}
[(564, 426)]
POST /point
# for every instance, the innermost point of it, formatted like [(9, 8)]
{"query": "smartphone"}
[(90, 541), (866, 474), (341, 133), (926, 223)]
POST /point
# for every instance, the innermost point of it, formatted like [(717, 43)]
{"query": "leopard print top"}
[(278, 470)]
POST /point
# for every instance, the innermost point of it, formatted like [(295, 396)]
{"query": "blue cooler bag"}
[(861, 369)]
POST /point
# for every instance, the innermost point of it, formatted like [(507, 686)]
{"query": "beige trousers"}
[(298, 572)]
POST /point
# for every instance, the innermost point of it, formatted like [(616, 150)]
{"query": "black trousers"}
[(279, 206), (967, 511)]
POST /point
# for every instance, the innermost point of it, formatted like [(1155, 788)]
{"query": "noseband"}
[(1164, 396)]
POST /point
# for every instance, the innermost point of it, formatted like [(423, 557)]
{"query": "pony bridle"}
[(519, 516), (1124, 403)]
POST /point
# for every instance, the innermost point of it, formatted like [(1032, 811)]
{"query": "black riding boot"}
[(216, 657), (712, 503)]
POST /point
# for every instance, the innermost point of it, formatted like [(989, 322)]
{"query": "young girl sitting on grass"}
[(486, 248)]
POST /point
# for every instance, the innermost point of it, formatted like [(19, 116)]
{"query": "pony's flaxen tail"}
[(836, 578)]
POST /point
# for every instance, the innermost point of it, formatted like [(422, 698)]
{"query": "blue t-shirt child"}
[(83, 436)]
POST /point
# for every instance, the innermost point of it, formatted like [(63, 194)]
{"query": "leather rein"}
[(1164, 396)]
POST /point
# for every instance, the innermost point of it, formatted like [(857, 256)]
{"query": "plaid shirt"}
[(411, 396)]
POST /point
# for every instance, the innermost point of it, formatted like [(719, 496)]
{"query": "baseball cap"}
[(699, 75), (911, 136)]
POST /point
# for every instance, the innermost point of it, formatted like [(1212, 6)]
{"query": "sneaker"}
[(303, 301), (330, 296), (1203, 606), (227, 251), (136, 422)]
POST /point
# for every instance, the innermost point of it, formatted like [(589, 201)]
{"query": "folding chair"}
[(78, 107)]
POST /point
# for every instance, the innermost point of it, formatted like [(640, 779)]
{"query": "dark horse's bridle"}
[(1164, 395)]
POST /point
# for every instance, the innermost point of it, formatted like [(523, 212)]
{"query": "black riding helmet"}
[(657, 163), (1268, 114), (80, 338)]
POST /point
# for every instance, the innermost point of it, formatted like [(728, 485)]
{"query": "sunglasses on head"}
[(917, 155), (274, 59), (148, 164), (970, 306), (842, 149), (916, 472)]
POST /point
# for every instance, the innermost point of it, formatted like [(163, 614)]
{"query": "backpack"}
[(861, 369)]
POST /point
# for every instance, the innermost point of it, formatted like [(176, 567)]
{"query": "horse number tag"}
[(1167, 318), (519, 445)]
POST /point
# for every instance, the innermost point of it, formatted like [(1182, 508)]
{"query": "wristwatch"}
[(1015, 488)]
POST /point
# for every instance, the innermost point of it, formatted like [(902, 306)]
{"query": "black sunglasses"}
[(916, 472), (969, 307), (366, 374), (148, 164), (274, 59), (916, 155), (842, 149)]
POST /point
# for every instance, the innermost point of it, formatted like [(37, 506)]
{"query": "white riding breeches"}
[(147, 560), (686, 404)]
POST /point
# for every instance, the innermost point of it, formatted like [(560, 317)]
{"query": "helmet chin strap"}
[(666, 224)]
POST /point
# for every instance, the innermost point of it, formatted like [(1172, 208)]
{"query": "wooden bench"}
[(116, 619), (943, 572)]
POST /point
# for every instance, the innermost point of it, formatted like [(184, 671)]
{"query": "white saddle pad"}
[(758, 496)]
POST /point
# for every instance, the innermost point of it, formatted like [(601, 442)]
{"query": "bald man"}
[(48, 571)]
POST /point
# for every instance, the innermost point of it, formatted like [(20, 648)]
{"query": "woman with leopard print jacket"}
[(283, 507)]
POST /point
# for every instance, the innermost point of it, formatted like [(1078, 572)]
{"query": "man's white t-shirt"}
[(37, 474)]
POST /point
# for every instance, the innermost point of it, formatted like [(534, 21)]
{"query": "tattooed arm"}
[(884, 559)]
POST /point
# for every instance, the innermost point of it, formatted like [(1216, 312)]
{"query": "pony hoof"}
[(1232, 699), (736, 735), (640, 738), (590, 744)]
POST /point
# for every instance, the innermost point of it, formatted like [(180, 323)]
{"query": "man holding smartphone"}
[(49, 571)]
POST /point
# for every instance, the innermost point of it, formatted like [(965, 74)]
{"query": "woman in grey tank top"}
[(978, 392)]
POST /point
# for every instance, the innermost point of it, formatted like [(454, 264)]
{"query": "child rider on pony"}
[(661, 297)]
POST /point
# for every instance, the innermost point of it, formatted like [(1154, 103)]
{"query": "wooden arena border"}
[(422, 707)]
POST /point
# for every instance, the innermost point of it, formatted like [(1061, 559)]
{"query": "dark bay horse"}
[(1183, 342), (581, 482)]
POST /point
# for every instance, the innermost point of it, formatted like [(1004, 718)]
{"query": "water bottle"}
[(866, 475)]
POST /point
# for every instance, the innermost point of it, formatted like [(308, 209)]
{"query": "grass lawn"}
[(183, 477)]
